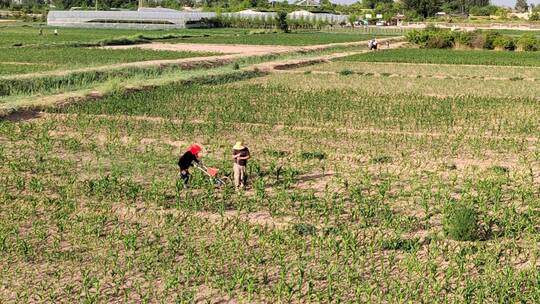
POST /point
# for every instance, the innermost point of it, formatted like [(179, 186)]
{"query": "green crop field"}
[(26, 60), (518, 33), (419, 70), (475, 57), (296, 39), (29, 34), (370, 182)]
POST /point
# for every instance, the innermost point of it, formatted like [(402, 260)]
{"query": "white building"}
[(144, 18)]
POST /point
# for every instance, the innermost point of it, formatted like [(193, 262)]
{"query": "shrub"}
[(478, 40), (463, 39), (440, 40), (527, 43), (460, 222), (431, 37), (490, 38), (504, 43)]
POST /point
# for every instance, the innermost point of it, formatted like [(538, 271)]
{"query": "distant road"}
[(470, 26)]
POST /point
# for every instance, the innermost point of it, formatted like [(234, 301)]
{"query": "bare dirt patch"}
[(216, 48), (262, 218), (206, 294)]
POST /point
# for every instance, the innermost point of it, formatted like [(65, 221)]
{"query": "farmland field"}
[(386, 182), (474, 57), (37, 59), (28, 34), (301, 38)]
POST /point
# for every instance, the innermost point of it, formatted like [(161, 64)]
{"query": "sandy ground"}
[(240, 49), (215, 48)]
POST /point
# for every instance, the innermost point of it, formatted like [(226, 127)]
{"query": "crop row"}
[(475, 57), (66, 58), (446, 87), (313, 103), (429, 70)]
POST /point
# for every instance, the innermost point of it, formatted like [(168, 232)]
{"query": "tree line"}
[(411, 9)]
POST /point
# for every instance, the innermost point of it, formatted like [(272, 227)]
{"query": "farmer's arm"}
[(248, 156)]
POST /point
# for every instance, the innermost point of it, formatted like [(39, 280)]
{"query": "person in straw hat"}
[(240, 157)]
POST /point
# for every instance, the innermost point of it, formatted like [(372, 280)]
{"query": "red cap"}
[(195, 149)]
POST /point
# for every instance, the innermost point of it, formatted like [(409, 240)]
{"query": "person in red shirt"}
[(187, 159)]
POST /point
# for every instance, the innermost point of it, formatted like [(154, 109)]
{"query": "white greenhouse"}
[(142, 19), (161, 18)]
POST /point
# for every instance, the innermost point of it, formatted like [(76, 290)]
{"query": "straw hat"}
[(239, 145)]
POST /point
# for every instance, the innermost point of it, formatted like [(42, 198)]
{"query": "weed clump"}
[(460, 222), (401, 244), (381, 159), (313, 155), (304, 229), (346, 72)]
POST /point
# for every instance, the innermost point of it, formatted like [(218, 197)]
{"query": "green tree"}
[(282, 21), (352, 19), (425, 8), (522, 6)]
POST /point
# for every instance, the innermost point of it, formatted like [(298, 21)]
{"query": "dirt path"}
[(276, 66), (247, 50)]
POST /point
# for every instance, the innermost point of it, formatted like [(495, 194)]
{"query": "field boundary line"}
[(447, 64), (415, 76)]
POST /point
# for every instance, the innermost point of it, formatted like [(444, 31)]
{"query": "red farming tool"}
[(213, 174)]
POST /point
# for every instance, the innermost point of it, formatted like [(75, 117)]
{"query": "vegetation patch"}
[(460, 222)]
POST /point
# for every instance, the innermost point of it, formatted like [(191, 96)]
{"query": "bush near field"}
[(436, 38)]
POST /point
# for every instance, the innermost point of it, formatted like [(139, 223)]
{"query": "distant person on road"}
[(187, 159), (372, 44), (240, 157)]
